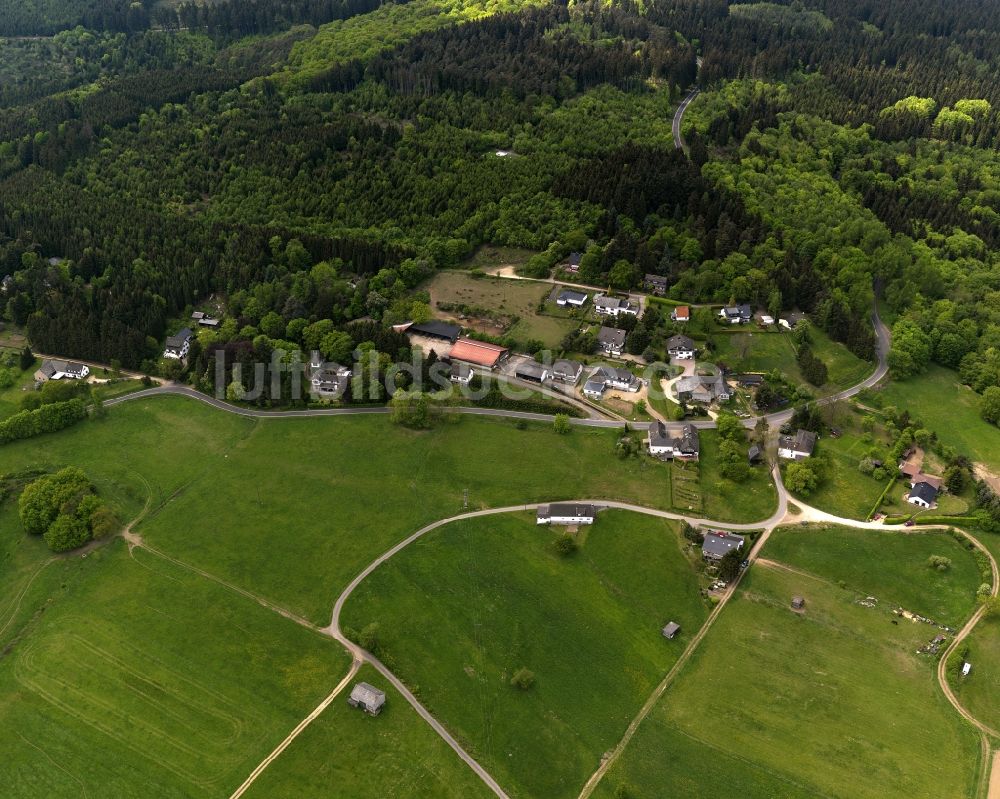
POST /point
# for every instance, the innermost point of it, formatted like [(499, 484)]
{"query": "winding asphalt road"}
[(679, 117)]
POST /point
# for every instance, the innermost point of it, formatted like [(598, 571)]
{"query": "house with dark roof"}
[(531, 370), (616, 378), (797, 447), (678, 442), (655, 284), (754, 454), (680, 347), (611, 340), (329, 380), (573, 299), (367, 697), (566, 513), (52, 369), (177, 346), (208, 321), (736, 314), (613, 306), (705, 389), (567, 371), (435, 328), (594, 388), (923, 495), (717, 544), (573, 262)]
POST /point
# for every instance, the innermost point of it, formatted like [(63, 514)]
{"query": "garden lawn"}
[(752, 500), (891, 566), (142, 674), (767, 350), (491, 256), (346, 752), (461, 610), (845, 491), (833, 702), (951, 410)]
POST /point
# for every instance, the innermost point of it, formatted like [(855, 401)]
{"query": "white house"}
[(177, 347), (573, 299), (611, 340), (923, 495), (613, 306), (736, 314), (680, 314), (566, 513), (797, 447), (680, 442), (567, 371), (680, 347), (612, 377), (594, 388), (328, 380), (461, 373), (59, 370)]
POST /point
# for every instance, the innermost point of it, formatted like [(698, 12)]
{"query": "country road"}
[(679, 117)]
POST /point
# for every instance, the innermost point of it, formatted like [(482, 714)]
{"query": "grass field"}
[(979, 693), (464, 608), (774, 703), (347, 753), (894, 562), (752, 500), (949, 409), (491, 256), (505, 298), (119, 675), (774, 350)]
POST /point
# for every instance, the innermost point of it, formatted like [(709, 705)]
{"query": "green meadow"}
[(831, 702), (461, 610)]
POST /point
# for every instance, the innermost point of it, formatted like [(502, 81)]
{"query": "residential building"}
[(7, 284), (573, 262), (177, 346), (567, 371), (680, 314), (478, 353), (616, 378), (531, 370), (329, 380), (679, 442), (705, 389), (573, 299), (198, 315), (923, 495), (754, 454), (611, 340), (613, 306), (594, 388), (461, 373), (566, 513), (716, 545), (61, 370), (367, 697), (655, 284), (680, 347), (797, 447), (736, 314), (208, 321), (671, 630)]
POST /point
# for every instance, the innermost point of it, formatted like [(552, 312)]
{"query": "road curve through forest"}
[(679, 117)]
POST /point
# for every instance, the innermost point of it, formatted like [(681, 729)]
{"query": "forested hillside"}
[(319, 171)]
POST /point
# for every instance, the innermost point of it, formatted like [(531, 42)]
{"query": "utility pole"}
[(465, 499)]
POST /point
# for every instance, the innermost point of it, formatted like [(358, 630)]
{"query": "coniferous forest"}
[(312, 162)]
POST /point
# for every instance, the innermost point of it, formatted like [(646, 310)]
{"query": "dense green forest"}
[(312, 162)]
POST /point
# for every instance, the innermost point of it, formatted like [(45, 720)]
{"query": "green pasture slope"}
[(122, 671), (346, 752), (461, 610), (293, 509), (833, 702)]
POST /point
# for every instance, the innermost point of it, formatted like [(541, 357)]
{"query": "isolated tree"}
[(566, 545), (939, 563), (729, 566), (523, 678), (801, 478), (561, 424), (27, 358)]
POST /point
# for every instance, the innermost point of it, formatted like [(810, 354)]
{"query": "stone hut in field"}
[(368, 698)]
